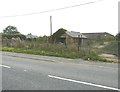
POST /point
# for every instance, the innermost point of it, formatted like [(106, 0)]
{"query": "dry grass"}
[(59, 50)]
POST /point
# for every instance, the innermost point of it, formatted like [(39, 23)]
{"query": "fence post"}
[(78, 43)]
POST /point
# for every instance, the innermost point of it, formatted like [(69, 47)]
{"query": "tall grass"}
[(44, 48)]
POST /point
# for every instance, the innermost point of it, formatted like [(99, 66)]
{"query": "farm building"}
[(71, 37), (99, 36)]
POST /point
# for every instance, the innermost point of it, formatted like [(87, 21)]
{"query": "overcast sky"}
[(101, 16)]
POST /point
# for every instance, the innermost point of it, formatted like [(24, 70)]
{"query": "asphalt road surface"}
[(20, 73)]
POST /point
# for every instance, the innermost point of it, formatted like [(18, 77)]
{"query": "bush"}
[(10, 36), (111, 48), (91, 55), (34, 47)]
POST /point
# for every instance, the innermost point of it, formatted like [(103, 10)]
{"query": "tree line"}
[(12, 32)]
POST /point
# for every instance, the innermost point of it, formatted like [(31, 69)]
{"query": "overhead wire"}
[(52, 10)]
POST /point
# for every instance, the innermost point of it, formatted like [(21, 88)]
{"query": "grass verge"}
[(91, 55)]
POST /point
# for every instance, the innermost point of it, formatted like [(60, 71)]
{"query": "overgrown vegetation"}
[(58, 50), (111, 48), (54, 52), (11, 32), (42, 46)]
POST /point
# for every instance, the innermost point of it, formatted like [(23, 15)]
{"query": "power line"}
[(52, 10)]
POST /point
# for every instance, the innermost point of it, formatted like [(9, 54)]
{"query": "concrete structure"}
[(71, 37)]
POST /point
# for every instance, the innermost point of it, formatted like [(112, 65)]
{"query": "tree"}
[(10, 30), (57, 34)]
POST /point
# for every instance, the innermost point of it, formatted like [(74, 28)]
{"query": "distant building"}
[(98, 35), (30, 36), (71, 37)]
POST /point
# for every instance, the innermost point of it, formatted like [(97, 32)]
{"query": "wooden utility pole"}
[(50, 38), (79, 41), (50, 25)]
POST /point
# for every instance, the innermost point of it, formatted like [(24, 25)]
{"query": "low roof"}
[(75, 34), (31, 36), (96, 34)]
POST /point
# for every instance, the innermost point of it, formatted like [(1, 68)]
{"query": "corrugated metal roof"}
[(31, 36), (97, 34), (75, 34)]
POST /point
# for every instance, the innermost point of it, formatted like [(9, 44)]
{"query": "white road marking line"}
[(25, 70), (81, 82), (69, 59), (5, 66)]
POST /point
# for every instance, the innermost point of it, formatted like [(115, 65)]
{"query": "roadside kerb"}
[(34, 58), (61, 60)]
